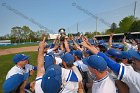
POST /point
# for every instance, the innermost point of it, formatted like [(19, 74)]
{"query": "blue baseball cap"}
[(12, 83), (118, 46), (134, 54), (19, 57), (126, 55), (113, 45), (68, 58), (48, 61), (51, 81), (96, 62), (78, 53), (101, 42), (114, 53), (84, 60)]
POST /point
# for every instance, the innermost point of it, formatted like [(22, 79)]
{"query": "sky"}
[(56, 14)]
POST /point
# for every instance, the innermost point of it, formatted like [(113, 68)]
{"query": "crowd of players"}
[(78, 65)]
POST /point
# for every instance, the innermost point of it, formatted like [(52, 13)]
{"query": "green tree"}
[(135, 27), (16, 34), (91, 34), (96, 33), (88, 34), (26, 35), (39, 34), (113, 27), (108, 31), (126, 23)]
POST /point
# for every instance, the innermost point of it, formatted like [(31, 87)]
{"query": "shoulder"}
[(14, 70), (65, 72)]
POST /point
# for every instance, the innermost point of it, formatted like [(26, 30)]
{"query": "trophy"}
[(62, 33)]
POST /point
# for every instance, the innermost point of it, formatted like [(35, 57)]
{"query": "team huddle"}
[(78, 65)]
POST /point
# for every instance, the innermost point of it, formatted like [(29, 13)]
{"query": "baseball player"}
[(46, 82), (78, 61), (71, 76), (103, 82), (17, 77)]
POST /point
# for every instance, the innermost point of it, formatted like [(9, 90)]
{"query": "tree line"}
[(24, 34), (127, 24)]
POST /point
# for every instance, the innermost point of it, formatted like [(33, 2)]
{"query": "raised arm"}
[(77, 46), (56, 40), (91, 48), (114, 66), (40, 59), (110, 40), (62, 46), (124, 40), (66, 45)]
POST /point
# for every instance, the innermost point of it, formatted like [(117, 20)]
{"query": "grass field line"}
[(18, 50)]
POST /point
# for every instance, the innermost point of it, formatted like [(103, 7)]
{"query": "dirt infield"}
[(18, 50)]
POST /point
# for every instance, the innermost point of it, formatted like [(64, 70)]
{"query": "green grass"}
[(17, 46), (6, 64)]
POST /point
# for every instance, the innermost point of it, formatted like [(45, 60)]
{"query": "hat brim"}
[(25, 58), (78, 55), (108, 54), (134, 54), (84, 60)]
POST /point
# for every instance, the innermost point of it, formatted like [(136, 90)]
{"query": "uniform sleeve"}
[(78, 74), (50, 50), (38, 88), (128, 75), (113, 65), (84, 67), (12, 83)]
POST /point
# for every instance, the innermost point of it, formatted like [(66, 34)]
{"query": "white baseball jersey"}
[(60, 52), (28, 67), (105, 85), (129, 46), (38, 88), (58, 60), (15, 70), (130, 77), (81, 65), (68, 86)]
